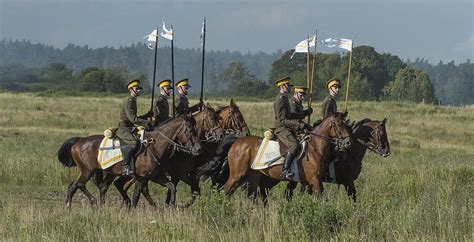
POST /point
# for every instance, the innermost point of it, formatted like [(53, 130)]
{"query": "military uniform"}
[(128, 120), (182, 106), (285, 126), (161, 111), (329, 107)]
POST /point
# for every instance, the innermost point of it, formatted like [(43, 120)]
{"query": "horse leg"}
[(81, 184), (70, 191), (253, 187), (316, 185), (172, 191), (146, 194), (169, 194), (104, 186), (138, 189), (119, 184), (351, 191), (290, 187)]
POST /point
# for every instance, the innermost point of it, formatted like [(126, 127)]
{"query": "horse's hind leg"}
[(104, 186), (253, 187), (146, 194), (81, 184), (138, 190), (70, 191), (290, 187), (119, 184)]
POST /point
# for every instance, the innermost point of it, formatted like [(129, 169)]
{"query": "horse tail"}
[(216, 168), (64, 153)]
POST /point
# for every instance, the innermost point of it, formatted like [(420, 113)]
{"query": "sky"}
[(430, 29)]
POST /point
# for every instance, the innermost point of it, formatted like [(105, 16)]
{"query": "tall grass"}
[(423, 191)]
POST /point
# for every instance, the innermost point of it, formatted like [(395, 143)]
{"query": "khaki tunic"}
[(286, 122), (128, 119), (182, 106), (328, 107), (161, 110), (297, 109)]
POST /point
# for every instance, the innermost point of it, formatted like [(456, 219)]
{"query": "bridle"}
[(188, 146), (376, 148), (235, 127), (210, 135), (338, 141)]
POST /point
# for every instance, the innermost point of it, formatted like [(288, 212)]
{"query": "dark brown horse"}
[(178, 133), (182, 166), (366, 135), (244, 150)]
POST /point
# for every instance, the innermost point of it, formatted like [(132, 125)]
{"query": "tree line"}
[(375, 76)]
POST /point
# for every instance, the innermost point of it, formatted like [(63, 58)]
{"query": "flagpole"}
[(307, 62), (310, 99), (172, 67), (203, 54), (349, 74), (154, 70)]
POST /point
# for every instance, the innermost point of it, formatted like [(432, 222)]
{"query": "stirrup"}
[(287, 175)]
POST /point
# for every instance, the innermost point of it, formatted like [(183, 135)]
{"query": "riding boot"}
[(286, 173), (128, 162)]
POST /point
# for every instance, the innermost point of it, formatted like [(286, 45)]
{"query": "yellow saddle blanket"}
[(109, 153)]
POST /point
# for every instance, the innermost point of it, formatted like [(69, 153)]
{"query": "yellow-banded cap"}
[(282, 81), (164, 83), (184, 82), (300, 89), (133, 83), (333, 82)]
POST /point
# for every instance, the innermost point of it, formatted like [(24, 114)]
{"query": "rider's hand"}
[(309, 111)]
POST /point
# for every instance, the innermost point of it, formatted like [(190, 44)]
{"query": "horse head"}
[(232, 120), (207, 123), (186, 135), (334, 129), (378, 139)]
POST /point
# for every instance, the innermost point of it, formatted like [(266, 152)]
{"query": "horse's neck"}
[(322, 146), (199, 124), (357, 151), (161, 143)]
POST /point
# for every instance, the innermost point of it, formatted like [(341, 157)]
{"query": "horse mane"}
[(220, 109)]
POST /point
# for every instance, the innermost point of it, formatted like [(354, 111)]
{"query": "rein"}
[(176, 146)]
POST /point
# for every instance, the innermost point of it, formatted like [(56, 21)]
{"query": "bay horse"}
[(312, 165), (178, 133), (367, 135), (182, 166)]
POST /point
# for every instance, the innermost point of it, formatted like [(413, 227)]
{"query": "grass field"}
[(423, 191)]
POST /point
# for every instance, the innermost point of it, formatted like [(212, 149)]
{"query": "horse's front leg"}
[(316, 185), (290, 187), (351, 190), (139, 183)]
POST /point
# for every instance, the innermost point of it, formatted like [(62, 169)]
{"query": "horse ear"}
[(344, 114), (384, 121), (232, 103)]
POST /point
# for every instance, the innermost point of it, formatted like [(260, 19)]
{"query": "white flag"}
[(302, 46), (167, 34), (338, 42), (151, 38)]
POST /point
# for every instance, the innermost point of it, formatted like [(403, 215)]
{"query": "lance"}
[(172, 68), (203, 54), (154, 70), (310, 99), (349, 74)]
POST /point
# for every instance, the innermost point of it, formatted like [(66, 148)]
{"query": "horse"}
[(178, 133), (331, 130), (367, 135), (182, 167)]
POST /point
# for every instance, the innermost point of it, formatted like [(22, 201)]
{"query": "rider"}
[(161, 107), (182, 106), (297, 102), (286, 124), (329, 107), (126, 126)]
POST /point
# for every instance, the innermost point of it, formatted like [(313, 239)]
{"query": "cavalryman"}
[(286, 124), (161, 106), (182, 106), (329, 106), (296, 102), (128, 120)]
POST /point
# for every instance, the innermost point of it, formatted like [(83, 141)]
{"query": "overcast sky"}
[(432, 29)]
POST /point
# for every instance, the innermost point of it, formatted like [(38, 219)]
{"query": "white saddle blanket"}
[(109, 153), (268, 154)]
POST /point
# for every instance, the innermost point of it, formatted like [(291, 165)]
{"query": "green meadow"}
[(423, 191)]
